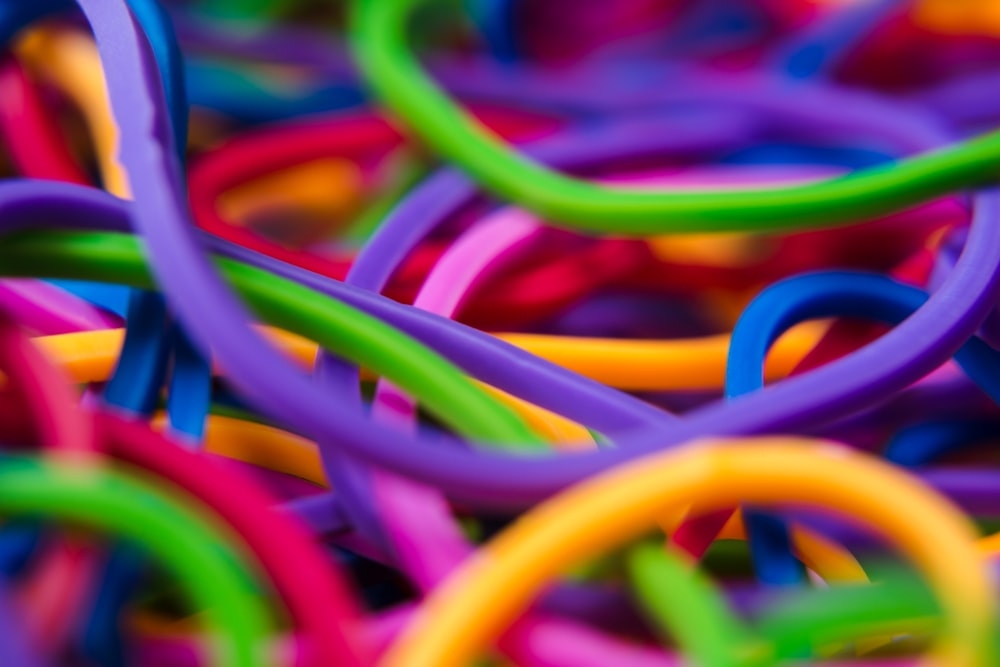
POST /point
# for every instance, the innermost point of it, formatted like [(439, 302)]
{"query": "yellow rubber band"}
[(90, 356), (692, 364), (488, 592)]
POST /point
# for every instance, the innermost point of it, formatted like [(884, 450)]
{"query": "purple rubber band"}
[(218, 322), (903, 355)]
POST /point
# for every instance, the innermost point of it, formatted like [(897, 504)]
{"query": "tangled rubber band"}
[(678, 346)]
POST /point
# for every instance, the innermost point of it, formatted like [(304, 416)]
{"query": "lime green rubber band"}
[(401, 84), (214, 573), (849, 613), (442, 388), (685, 606)]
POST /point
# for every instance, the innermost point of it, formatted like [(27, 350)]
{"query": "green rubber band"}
[(684, 605), (216, 576), (442, 388), (398, 80), (846, 613)]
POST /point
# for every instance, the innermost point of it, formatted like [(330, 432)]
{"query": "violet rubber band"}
[(417, 518), (433, 550), (340, 377), (440, 196), (218, 322), (448, 192), (758, 414), (443, 194), (950, 316)]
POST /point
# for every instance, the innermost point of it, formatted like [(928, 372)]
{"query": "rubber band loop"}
[(171, 531), (400, 83), (489, 591)]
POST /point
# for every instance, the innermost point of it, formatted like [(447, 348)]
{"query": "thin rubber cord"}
[(401, 84), (952, 314), (444, 390), (837, 293), (813, 296), (797, 299)]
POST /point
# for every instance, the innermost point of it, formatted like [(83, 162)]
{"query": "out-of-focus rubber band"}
[(489, 591), (402, 85), (635, 365), (198, 554)]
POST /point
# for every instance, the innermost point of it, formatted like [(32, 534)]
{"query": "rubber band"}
[(683, 603), (456, 620), (106, 499), (860, 371), (822, 295), (399, 83), (272, 301), (682, 117)]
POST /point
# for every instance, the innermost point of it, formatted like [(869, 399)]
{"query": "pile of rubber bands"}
[(547, 333)]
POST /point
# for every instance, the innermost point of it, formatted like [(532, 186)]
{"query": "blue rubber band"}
[(813, 296), (190, 392), (112, 298)]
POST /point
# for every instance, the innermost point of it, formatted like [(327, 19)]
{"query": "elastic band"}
[(180, 538), (949, 317), (400, 83), (489, 591), (683, 604), (384, 350)]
